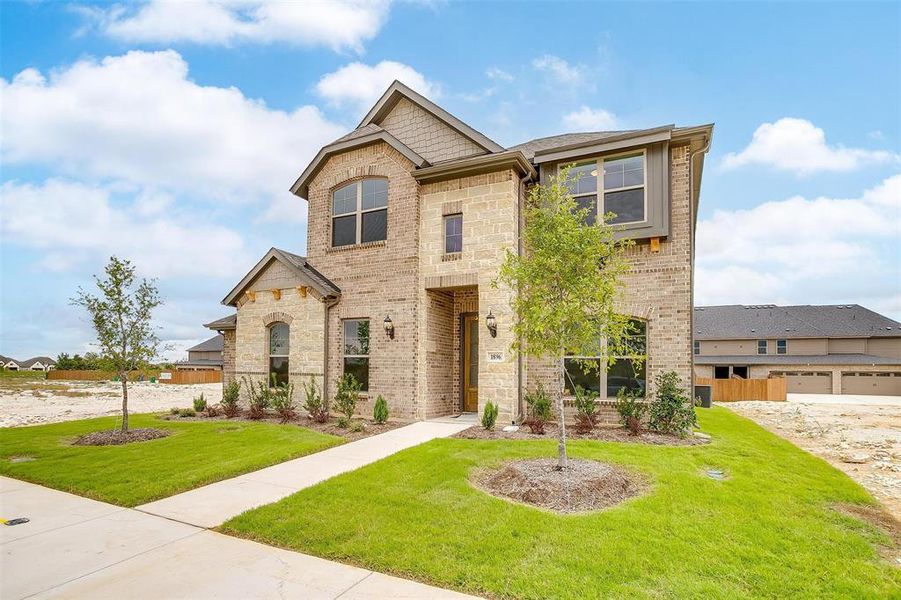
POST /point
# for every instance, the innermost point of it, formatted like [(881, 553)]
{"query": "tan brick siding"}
[(426, 135), (228, 356)]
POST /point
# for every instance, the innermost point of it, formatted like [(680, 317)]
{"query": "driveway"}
[(79, 548), (860, 435)]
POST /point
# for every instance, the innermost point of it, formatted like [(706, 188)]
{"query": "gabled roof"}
[(759, 321), (795, 360), (229, 322), (44, 360), (397, 90), (298, 265), (214, 344)]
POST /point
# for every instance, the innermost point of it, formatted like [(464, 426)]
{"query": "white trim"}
[(600, 190)]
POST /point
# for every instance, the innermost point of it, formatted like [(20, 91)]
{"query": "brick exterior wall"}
[(228, 356), (426, 135)]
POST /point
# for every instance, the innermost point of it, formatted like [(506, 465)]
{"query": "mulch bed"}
[(585, 485), (605, 434), (330, 428), (117, 437)]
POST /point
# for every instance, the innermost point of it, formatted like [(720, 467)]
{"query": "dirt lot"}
[(861, 435), (31, 402)]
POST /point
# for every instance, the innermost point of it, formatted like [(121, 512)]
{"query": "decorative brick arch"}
[(348, 174), (276, 317), (638, 310)]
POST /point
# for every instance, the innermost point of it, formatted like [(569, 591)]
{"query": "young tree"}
[(566, 282), (121, 318)]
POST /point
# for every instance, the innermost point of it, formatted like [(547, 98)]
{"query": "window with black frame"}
[(278, 353), (628, 370), (356, 350)]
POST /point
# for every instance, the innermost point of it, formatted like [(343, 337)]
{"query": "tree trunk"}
[(561, 421), (123, 375)]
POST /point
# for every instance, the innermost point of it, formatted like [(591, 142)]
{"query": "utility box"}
[(704, 394)]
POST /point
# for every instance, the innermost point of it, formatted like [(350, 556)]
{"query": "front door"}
[(471, 363)]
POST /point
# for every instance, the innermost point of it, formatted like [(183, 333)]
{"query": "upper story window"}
[(621, 189), (781, 346), (761, 346), (453, 234), (278, 354), (360, 212), (696, 347)]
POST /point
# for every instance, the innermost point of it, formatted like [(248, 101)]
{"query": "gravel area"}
[(859, 435), (584, 486), (36, 402)]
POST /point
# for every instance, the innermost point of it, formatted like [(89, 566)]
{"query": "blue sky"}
[(169, 133)]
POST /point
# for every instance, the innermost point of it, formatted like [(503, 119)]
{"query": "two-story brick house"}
[(409, 218)]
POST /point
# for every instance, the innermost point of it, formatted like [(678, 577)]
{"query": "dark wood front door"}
[(470, 381)]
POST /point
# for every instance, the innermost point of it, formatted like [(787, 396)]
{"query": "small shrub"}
[(539, 404), (212, 410), (343, 422), (199, 403), (586, 410), (231, 393), (260, 398), (347, 395), (186, 412), (380, 410), (489, 416), (282, 401), (316, 405), (173, 410), (631, 410), (671, 410), (358, 426)]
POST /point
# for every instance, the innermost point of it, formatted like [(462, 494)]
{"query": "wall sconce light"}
[(491, 323), (389, 327)]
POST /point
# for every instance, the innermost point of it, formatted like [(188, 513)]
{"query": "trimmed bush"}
[(489, 416), (358, 426), (631, 410), (199, 403), (316, 405), (380, 410), (186, 412), (672, 410), (539, 411), (347, 396), (231, 393)]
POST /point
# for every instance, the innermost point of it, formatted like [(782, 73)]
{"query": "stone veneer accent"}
[(426, 135)]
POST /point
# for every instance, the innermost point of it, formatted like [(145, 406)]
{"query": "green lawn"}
[(768, 531), (196, 453)]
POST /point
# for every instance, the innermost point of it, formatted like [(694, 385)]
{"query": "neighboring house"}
[(38, 363), (409, 219), (205, 356), (836, 349)]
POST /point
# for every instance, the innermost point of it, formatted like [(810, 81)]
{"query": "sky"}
[(169, 133)]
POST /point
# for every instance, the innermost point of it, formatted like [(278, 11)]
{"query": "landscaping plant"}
[(586, 409), (631, 410), (212, 410), (199, 403), (260, 398), (568, 280), (346, 397), (380, 410), (672, 410), (231, 393), (282, 401), (489, 415), (121, 317), (315, 402), (539, 408), (186, 412)]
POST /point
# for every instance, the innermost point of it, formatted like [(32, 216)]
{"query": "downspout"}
[(328, 306), (691, 223), (520, 192)]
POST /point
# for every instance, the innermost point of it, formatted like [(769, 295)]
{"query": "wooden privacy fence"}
[(734, 390), (86, 375), (205, 376)]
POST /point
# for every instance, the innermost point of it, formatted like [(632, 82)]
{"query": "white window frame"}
[(270, 355), (600, 208), (696, 348), (766, 347), (784, 348), (444, 231), (357, 213)]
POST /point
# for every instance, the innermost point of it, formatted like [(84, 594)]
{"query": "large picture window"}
[(278, 353), (627, 371), (356, 350), (621, 190), (360, 212)]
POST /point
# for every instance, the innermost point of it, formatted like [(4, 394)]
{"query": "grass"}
[(769, 530), (194, 454)]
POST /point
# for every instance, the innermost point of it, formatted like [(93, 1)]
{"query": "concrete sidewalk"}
[(79, 548), (216, 503)]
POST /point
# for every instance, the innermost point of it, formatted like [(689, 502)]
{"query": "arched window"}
[(278, 354), (360, 212)]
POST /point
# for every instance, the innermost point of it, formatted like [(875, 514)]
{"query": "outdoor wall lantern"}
[(491, 323), (389, 327)]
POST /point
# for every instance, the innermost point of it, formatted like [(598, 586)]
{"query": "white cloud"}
[(589, 119), (71, 222), (802, 250), (138, 118), (335, 24), (360, 85), (559, 70), (498, 75), (798, 146)]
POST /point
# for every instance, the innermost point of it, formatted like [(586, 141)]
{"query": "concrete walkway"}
[(79, 548), (214, 504)]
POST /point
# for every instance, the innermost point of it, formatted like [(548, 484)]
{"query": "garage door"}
[(806, 382), (880, 384)]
